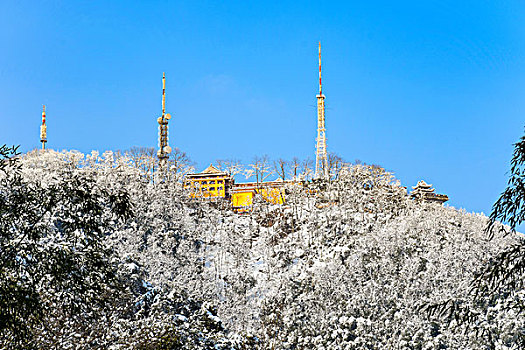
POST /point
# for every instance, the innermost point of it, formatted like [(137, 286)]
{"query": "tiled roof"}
[(211, 170)]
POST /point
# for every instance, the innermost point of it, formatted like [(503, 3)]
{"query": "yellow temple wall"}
[(272, 195), (245, 198), (242, 199), (206, 187)]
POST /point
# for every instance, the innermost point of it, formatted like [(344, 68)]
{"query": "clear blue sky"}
[(430, 90)]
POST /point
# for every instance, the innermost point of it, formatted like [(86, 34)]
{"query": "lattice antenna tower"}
[(164, 149), (321, 159), (43, 128)]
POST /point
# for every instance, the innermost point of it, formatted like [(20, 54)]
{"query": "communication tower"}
[(321, 159), (164, 149), (43, 128)]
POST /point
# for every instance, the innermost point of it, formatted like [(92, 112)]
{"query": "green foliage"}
[(499, 284), (506, 270), (510, 206), (53, 263)]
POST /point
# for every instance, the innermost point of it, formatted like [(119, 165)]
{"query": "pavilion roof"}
[(422, 184), (209, 171)]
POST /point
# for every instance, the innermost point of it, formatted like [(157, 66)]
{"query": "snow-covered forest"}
[(109, 252)]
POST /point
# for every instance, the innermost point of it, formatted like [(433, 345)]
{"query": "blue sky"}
[(430, 90)]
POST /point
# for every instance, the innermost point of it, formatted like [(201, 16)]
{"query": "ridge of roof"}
[(211, 170)]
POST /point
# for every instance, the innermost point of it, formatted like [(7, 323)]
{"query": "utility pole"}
[(164, 149), (321, 159), (43, 128)]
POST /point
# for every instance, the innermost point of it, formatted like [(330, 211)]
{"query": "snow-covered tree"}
[(347, 263), (54, 266)]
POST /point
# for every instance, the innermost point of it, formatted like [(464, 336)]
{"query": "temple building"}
[(211, 183), (214, 184), (424, 192), (244, 193)]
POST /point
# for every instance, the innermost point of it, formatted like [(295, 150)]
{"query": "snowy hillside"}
[(348, 264)]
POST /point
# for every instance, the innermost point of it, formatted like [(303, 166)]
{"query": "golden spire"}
[(163, 93), (321, 158), (164, 149), (320, 85), (43, 128)]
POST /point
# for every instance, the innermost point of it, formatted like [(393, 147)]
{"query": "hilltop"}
[(346, 263)]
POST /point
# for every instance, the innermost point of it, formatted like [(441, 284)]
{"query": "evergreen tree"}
[(54, 267)]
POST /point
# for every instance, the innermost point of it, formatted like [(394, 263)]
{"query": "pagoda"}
[(424, 192)]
